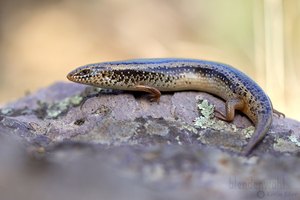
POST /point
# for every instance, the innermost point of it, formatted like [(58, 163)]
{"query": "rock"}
[(123, 146)]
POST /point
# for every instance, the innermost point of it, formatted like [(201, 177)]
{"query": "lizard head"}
[(94, 74)]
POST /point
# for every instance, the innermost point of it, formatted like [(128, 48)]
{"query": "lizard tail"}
[(264, 122)]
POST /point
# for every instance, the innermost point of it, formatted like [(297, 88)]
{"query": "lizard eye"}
[(84, 72)]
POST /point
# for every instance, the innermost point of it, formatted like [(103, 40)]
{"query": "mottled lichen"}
[(207, 112), (6, 111), (295, 140), (208, 120), (188, 127), (75, 100), (247, 132), (55, 109), (154, 128), (111, 132), (283, 145), (9, 111)]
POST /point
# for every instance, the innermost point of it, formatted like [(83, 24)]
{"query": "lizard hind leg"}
[(230, 106)]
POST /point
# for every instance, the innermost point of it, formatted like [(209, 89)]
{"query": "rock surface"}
[(76, 142)]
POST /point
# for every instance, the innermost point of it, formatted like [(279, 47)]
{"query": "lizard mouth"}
[(74, 77), (80, 74)]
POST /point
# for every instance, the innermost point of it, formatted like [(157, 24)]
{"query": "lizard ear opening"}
[(106, 76)]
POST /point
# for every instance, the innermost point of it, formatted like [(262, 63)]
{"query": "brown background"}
[(41, 41)]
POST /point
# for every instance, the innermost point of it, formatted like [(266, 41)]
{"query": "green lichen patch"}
[(206, 109), (283, 145), (6, 111), (89, 91), (295, 140), (188, 127), (207, 113), (52, 111), (207, 120), (247, 132), (75, 100)]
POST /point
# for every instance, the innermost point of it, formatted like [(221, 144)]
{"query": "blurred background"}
[(41, 41)]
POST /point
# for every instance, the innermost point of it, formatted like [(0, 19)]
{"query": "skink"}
[(173, 74)]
